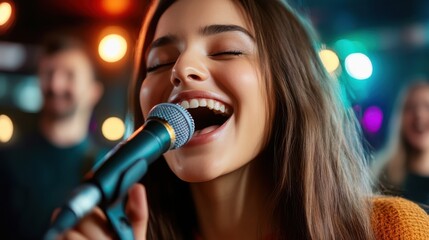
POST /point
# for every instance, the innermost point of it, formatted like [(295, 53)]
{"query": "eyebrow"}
[(205, 31), (164, 40), (217, 28)]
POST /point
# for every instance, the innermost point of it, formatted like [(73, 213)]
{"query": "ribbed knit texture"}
[(395, 218)]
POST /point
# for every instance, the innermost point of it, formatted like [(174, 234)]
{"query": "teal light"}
[(27, 95), (345, 47)]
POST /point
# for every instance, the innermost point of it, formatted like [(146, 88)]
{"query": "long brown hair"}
[(318, 169)]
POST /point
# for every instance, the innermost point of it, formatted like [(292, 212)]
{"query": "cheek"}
[(251, 104), (407, 128), (146, 97), (250, 90), (153, 92), (242, 80)]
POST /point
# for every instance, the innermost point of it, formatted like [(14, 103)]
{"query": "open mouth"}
[(208, 114)]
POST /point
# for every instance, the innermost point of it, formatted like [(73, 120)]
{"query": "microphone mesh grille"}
[(178, 118)]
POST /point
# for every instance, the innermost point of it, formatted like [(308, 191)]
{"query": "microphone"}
[(169, 126)]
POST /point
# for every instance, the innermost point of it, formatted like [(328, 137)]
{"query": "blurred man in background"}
[(38, 173)]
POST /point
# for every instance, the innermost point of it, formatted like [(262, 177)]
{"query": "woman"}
[(274, 156), (404, 166)]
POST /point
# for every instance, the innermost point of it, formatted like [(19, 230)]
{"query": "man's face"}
[(67, 83)]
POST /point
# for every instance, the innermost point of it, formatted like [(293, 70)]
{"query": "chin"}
[(195, 176), (194, 173)]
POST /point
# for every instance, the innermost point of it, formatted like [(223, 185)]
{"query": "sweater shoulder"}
[(398, 218)]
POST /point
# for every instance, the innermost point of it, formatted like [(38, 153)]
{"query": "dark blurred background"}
[(388, 40)]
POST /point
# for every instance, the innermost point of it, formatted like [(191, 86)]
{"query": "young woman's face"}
[(204, 57), (415, 122)]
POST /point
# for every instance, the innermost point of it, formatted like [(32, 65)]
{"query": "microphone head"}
[(178, 118)]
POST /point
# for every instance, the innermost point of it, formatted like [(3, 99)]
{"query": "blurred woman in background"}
[(403, 168)]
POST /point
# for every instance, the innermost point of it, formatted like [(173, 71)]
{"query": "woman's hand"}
[(96, 226)]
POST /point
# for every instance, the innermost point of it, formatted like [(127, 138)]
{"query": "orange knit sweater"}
[(395, 218)]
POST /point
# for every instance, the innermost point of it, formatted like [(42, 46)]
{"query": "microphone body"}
[(168, 126), (129, 161)]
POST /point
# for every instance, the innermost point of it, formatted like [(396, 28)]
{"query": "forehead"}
[(71, 57), (188, 15)]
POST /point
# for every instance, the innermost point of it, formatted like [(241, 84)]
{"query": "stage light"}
[(6, 128), (345, 47), (12, 56), (5, 13), (329, 59), (358, 66), (115, 7), (113, 128), (112, 48), (372, 119), (27, 95)]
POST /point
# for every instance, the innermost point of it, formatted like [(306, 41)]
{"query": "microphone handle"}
[(83, 200), (122, 167), (87, 197)]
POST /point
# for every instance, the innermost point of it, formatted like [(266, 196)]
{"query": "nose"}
[(53, 81), (57, 81), (188, 67)]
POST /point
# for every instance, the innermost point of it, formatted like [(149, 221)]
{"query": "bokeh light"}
[(112, 48), (6, 128), (5, 13), (115, 7), (113, 128), (330, 60), (27, 95), (4, 86), (358, 66), (13, 56), (345, 47), (372, 119)]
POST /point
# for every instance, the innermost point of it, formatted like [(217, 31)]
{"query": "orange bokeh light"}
[(112, 48), (6, 11), (115, 7)]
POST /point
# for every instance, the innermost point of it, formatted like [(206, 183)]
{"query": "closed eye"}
[(235, 53), (158, 66)]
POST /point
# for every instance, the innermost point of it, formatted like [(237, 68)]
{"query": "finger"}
[(137, 211), (72, 235), (95, 226)]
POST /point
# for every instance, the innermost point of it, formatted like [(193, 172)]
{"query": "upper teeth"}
[(217, 106)]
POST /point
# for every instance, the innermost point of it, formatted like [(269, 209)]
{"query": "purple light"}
[(372, 119), (93, 126)]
